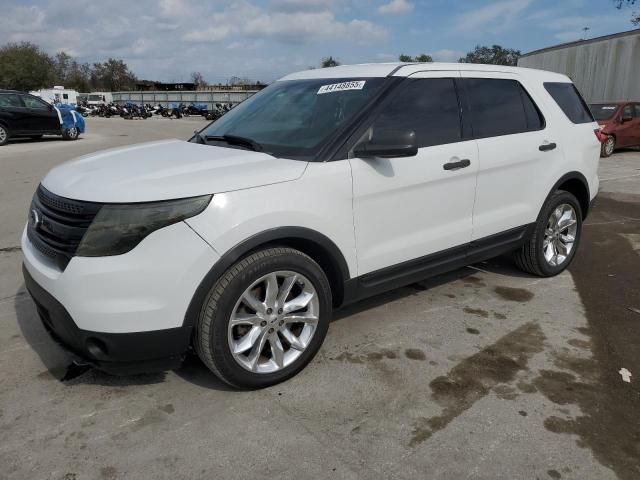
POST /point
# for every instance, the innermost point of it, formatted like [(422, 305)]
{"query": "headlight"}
[(118, 228)]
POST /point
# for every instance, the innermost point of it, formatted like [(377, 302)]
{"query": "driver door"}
[(410, 207)]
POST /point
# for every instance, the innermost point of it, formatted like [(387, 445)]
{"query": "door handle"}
[(457, 165), (546, 147)]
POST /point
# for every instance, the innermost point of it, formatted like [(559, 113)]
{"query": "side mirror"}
[(388, 144), (626, 119)]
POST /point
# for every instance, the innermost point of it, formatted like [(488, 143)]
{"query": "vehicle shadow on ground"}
[(22, 141), (59, 363)]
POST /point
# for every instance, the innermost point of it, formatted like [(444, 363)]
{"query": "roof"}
[(399, 69), (9, 91), (583, 42)]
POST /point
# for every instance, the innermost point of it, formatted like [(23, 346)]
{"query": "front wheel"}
[(554, 242), (70, 133), (264, 319)]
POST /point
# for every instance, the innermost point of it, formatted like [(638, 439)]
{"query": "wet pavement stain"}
[(554, 474), (10, 249), (476, 311), (605, 271), (473, 331), (414, 354), (499, 316), (367, 357), (474, 377), (511, 294)]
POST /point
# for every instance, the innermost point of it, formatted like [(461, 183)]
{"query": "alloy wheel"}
[(560, 235), (3, 135), (609, 146), (273, 322)]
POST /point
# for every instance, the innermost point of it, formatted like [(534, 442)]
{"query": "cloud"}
[(396, 7), (309, 26), (301, 5), (208, 35), (496, 15), (446, 55)]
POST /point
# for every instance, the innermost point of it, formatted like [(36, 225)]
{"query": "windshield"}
[(603, 111), (295, 118)]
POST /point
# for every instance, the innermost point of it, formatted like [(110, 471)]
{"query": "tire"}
[(70, 134), (214, 335), (533, 257), (608, 147), (5, 135)]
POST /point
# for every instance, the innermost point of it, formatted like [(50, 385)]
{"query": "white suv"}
[(326, 187)]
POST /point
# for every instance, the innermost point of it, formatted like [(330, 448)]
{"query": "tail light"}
[(601, 136)]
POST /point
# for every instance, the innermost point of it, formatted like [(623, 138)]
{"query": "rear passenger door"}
[(517, 153), (407, 208), (13, 113)]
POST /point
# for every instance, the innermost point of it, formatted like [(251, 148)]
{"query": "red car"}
[(620, 122)]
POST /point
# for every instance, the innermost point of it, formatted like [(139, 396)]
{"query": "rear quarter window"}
[(568, 98)]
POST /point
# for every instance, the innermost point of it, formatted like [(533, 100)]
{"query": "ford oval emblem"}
[(34, 218)]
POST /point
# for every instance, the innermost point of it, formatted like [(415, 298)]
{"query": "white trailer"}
[(99, 98), (57, 94)]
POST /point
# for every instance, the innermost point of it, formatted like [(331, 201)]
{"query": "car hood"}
[(166, 170)]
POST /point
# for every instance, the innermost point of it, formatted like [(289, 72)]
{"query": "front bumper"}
[(116, 353), (124, 313)]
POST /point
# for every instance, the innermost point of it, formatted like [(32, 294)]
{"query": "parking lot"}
[(481, 373)]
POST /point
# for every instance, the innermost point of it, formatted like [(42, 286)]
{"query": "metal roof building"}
[(604, 68)]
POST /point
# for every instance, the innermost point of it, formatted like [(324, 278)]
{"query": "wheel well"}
[(321, 256), (579, 190)]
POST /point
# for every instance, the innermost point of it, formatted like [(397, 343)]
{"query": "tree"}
[(23, 66), (329, 62), (422, 58), (113, 75), (635, 17), (495, 55), (198, 80)]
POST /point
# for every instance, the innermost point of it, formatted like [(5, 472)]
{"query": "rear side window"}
[(501, 107), (430, 107), (9, 100), (636, 110), (570, 101)]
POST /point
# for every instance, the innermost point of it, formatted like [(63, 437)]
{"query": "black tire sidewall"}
[(8, 136), (556, 199), (603, 150), (221, 353)]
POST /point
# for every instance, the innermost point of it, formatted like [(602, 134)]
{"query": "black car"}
[(25, 115)]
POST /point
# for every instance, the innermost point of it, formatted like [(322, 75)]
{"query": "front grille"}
[(57, 225)]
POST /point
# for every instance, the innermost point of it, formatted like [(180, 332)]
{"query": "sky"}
[(263, 40)]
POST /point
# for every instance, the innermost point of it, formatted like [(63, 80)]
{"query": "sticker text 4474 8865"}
[(340, 87)]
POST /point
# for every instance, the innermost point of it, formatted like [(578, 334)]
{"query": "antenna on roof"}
[(585, 30)]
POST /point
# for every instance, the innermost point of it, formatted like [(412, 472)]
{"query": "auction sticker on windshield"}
[(340, 87)]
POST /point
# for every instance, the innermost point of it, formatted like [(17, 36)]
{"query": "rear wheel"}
[(554, 242), (264, 319), (4, 135), (608, 147)]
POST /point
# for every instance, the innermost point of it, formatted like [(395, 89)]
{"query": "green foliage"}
[(422, 58), (495, 55), (23, 66), (329, 62)]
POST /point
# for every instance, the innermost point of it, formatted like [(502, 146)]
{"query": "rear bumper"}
[(116, 353)]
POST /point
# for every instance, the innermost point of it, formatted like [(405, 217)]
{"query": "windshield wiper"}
[(235, 140)]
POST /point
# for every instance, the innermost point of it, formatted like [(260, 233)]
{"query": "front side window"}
[(33, 102), (295, 118), (636, 110), (627, 112), (570, 101), (428, 106), (9, 100), (501, 107)]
